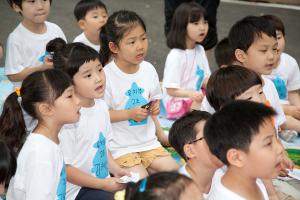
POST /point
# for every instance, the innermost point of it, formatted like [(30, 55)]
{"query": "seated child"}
[(243, 136), (186, 137), (8, 166), (91, 16), (26, 44), (161, 186)]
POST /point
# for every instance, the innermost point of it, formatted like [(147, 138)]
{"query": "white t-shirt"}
[(83, 39), (40, 171), (271, 95), (185, 69), (286, 77), (126, 91), (219, 191), (84, 143), (24, 48)]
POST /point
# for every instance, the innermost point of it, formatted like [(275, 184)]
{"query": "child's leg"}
[(94, 194), (133, 163), (158, 159)]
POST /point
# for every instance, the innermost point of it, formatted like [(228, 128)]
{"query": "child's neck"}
[(239, 182), (34, 27), (202, 175), (126, 67), (86, 102), (94, 39), (48, 129), (190, 44)]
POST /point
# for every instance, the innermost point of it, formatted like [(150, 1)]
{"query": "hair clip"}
[(18, 91), (143, 184)]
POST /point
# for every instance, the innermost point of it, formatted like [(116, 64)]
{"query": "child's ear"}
[(240, 55), (16, 8), (81, 24), (45, 109), (113, 47), (235, 157), (189, 151)]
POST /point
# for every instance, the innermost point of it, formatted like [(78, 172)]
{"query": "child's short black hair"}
[(187, 12), (225, 84), (18, 3), (223, 53), (84, 6), (8, 163), (246, 31), (276, 21), (234, 126), (183, 130)]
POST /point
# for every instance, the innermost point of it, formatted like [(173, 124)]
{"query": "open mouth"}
[(99, 88), (140, 56)]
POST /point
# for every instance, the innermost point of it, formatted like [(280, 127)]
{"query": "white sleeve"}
[(173, 70), (293, 82), (206, 68), (108, 95), (205, 106), (280, 117), (40, 179), (61, 34), (67, 143), (155, 92), (13, 61)]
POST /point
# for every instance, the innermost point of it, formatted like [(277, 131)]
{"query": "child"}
[(224, 53), (132, 94), (8, 166), (243, 136), (48, 96), (161, 186), (186, 137), (88, 162), (186, 70), (26, 44), (91, 16)]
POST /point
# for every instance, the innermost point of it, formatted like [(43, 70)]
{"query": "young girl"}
[(163, 185), (88, 162), (49, 97), (186, 70), (132, 94)]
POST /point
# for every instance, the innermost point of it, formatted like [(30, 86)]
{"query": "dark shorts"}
[(94, 194)]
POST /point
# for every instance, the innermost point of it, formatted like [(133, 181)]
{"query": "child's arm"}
[(114, 168), (77, 177), (29, 70), (193, 95), (291, 110), (294, 97), (138, 114), (162, 137)]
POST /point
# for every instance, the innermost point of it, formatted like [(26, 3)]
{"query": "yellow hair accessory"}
[(18, 91)]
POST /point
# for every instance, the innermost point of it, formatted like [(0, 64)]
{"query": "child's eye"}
[(249, 98), (100, 70), (263, 50), (261, 92), (88, 76)]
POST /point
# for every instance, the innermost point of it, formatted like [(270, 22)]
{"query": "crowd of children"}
[(83, 117)]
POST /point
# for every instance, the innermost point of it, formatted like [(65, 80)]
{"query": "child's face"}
[(67, 106), (197, 31), (281, 41), (202, 150), (255, 93), (34, 11), (260, 57), (132, 49), (89, 82), (94, 20), (265, 153), (191, 192)]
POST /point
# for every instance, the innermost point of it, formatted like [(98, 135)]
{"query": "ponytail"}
[(13, 128)]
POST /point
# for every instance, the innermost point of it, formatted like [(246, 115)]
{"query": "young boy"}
[(186, 137), (27, 43), (91, 16), (242, 136), (224, 53)]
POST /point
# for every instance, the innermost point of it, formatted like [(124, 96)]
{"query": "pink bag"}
[(177, 108)]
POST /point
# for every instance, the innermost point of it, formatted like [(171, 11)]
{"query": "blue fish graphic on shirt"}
[(135, 99), (200, 74), (100, 164), (62, 185), (280, 87), (42, 58)]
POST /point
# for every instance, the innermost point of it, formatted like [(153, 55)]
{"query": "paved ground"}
[(152, 12)]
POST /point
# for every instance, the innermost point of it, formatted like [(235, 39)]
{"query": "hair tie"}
[(142, 187), (18, 91)]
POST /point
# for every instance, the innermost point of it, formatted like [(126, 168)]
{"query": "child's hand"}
[(48, 63), (295, 111), (196, 96), (113, 184), (286, 164), (122, 172), (138, 114), (155, 108)]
